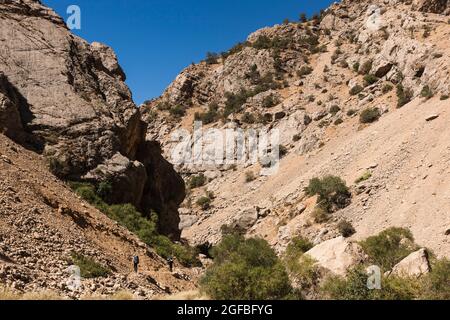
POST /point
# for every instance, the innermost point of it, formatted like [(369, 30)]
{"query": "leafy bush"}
[(370, 115), (320, 215), (296, 137), (211, 58), (365, 67), (304, 71), (437, 283), (338, 121), (88, 267), (57, 167), (346, 229), (404, 96), (444, 97), (197, 181), (270, 101), (332, 191), (245, 269), (104, 189), (204, 202), (248, 118), (354, 287), (356, 66), (334, 109), (387, 88), (177, 111), (366, 176), (389, 247), (370, 79), (282, 151), (212, 115), (351, 112), (249, 176), (297, 247), (426, 92), (356, 89)]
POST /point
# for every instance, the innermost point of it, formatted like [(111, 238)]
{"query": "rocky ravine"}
[(67, 99), (42, 222), (320, 76)]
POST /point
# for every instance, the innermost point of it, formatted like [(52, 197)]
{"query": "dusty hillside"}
[(312, 81), (42, 222)]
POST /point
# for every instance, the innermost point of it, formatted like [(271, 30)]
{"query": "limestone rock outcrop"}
[(69, 100)]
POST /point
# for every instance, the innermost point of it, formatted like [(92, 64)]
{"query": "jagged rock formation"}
[(67, 99), (312, 81)]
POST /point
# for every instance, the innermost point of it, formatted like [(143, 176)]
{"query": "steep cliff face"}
[(67, 99), (315, 81)]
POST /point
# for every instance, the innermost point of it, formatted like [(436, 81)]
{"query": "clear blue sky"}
[(156, 39)]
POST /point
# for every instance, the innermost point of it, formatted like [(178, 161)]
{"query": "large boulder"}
[(337, 255), (414, 265), (126, 178)]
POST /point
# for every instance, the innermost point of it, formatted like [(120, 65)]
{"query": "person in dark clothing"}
[(136, 263), (170, 263)]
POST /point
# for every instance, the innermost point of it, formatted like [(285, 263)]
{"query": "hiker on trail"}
[(170, 262), (136, 263)]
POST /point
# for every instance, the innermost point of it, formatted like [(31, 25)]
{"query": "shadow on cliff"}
[(17, 118)]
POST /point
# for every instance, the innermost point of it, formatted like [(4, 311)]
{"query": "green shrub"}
[(346, 229), (338, 121), (304, 71), (204, 202), (369, 115), (297, 247), (296, 137), (426, 92), (89, 268), (370, 79), (444, 97), (197, 181), (282, 151), (365, 67), (320, 215), (387, 88), (389, 247), (332, 191), (104, 189), (404, 96), (351, 112), (366, 176), (177, 111), (248, 118), (354, 287), (437, 283), (356, 89), (334, 109), (356, 67), (245, 269), (211, 58), (57, 167), (270, 101), (212, 115), (249, 176)]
